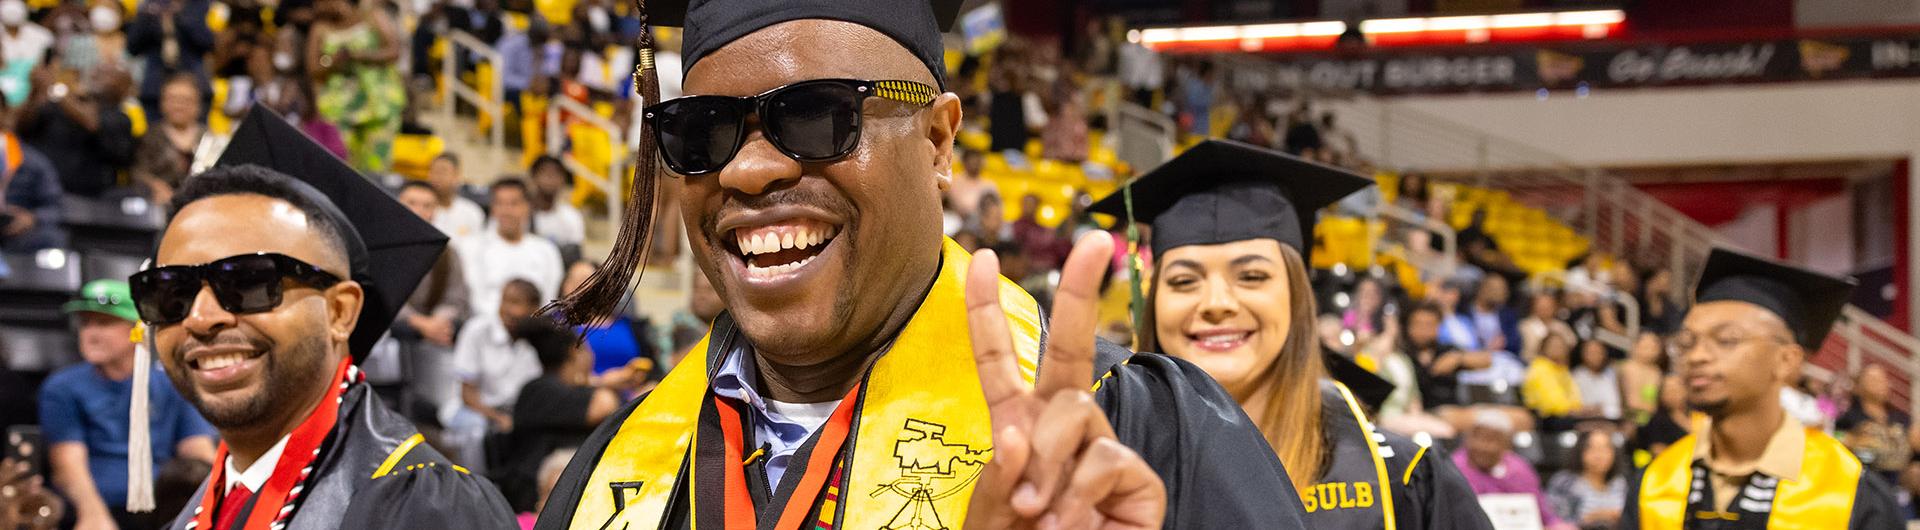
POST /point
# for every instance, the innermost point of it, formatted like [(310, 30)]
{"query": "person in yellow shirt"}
[(1549, 389)]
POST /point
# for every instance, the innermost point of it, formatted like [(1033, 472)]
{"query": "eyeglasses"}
[(248, 283), (1719, 341), (810, 121)]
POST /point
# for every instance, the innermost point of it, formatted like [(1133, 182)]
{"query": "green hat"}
[(107, 297)]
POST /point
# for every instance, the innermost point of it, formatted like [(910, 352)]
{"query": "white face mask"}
[(13, 13), (105, 19), (598, 19), (282, 61)]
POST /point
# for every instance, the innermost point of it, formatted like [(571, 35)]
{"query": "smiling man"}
[(265, 291), (1751, 327), (869, 373)]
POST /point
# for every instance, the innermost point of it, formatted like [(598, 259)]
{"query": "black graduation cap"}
[(1222, 191), (1807, 301), (1368, 387), (710, 24), (392, 248)]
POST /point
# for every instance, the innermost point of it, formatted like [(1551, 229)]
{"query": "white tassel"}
[(139, 433)]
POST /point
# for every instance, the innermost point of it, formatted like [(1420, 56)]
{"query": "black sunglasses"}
[(248, 283), (811, 121)]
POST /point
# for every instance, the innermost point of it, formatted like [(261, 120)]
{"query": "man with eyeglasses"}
[(1753, 323), (278, 271), (868, 372)]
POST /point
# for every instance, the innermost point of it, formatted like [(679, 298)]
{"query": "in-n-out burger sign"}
[(1681, 63), (1587, 64)]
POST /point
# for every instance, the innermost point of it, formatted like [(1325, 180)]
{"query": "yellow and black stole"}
[(914, 435), (1676, 492)]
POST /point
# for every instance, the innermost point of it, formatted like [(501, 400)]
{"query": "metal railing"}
[(492, 102), (1142, 138), (1449, 258), (613, 181)]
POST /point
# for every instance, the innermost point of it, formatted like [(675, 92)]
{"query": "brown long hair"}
[(1291, 419)]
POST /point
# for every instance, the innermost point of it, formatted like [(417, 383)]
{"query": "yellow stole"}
[(1822, 498), (922, 433)]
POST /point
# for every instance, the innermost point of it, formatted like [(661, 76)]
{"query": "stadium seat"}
[(37, 348), (414, 153), (95, 265), (125, 224), (40, 282)]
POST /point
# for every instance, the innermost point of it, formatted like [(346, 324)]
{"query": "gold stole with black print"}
[(1676, 492), (918, 432)]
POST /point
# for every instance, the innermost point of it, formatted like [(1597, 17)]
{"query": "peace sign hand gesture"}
[(1056, 463)]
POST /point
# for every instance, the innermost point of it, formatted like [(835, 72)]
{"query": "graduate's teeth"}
[(216, 362)]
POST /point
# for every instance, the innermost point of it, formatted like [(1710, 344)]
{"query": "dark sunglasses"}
[(811, 121), (248, 283)]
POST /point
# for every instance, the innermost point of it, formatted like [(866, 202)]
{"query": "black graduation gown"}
[(423, 490), (1433, 496), (1218, 469)]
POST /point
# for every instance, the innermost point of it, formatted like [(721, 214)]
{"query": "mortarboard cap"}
[(1222, 191), (1807, 301), (389, 249), (1368, 387), (711, 24)]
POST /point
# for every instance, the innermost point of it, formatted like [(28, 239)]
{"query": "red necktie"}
[(230, 506)]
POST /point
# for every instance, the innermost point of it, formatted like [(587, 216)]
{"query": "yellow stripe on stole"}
[(1385, 488)]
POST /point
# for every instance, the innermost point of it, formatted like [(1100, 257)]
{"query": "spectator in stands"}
[(1406, 410), (1456, 329), (1543, 317), (506, 251), (1041, 245), (171, 38), (492, 364), (1659, 312), (1013, 112), (166, 153), (83, 412), (1065, 136), (240, 59), (1549, 388), (103, 37), (21, 40), (693, 322), (554, 216), (80, 128), (456, 216), (558, 409), (1479, 249), (1438, 362), (1590, 274), (30, 210), (25, 503), (1340, 146), (990, 228), (1491, 466), (1599, 383), (1365, 318), (352, 51), (442, 19), (1671, 423), (1141, 71), (1640, 376), (1196, 91), (968, 187), (1302, 135), (292, 97), (1593, 490), (619, 342), (1494, 323), (1882, 436), (436, 308), (1412, 193)]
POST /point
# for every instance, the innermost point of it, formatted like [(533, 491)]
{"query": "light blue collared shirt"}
[(781, 427)]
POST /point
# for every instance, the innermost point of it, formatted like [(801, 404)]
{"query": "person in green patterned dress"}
[(351, 54)]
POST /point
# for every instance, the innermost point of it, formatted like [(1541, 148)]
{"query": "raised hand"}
[(1056, 463)]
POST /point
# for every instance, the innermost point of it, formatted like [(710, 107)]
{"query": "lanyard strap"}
[(720, 470), (276, 500)]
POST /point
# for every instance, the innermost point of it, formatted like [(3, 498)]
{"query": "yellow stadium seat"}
[(557, 12), (413, 153)]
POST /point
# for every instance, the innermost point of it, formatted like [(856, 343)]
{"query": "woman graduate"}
[(1230, 292)]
